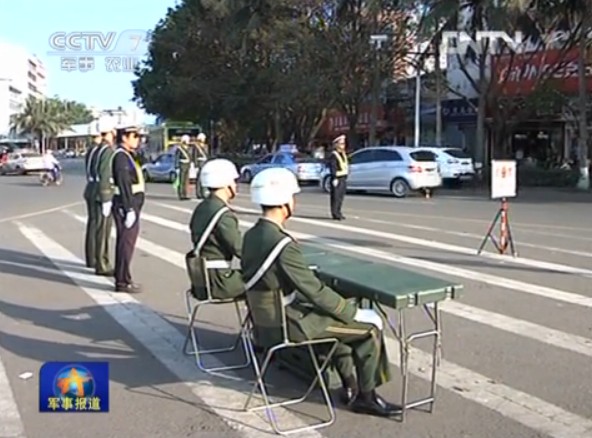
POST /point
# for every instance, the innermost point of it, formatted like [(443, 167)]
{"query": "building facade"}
[(21, 75)]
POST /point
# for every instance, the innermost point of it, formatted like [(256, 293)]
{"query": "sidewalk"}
[(525, 194)]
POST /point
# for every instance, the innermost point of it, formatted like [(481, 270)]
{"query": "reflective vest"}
[(140, 186), (185, 154), (343, 164)]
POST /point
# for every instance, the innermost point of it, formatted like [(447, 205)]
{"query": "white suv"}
[(394, 169), (453, 163)]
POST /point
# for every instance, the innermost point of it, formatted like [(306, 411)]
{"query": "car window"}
[(31, 155), (281, 159), (167, 158), (457, 153), (304, 158), (265, 160), (423, 156), (362, 157), (387, 155)]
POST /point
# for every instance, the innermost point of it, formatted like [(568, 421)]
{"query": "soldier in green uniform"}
[(182, 163), (215, 233), (313, 309), (89, 194), (103, 201), (200, 156)]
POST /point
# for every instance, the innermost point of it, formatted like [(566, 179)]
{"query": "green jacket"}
[(182, 157), (316, 305), (199, 154), (90, 189), (224, 243), (104, 173)]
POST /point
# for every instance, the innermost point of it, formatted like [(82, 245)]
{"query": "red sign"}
[(521, 73)]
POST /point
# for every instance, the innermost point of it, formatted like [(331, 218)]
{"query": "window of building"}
[(32, 76), (32, 88)]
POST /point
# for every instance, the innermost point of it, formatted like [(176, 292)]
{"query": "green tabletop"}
[(389, 285)]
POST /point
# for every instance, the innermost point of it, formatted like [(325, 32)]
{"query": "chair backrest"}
[(268, 314)]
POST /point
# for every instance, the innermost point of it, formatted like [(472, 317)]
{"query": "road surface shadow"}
[(481, 262)]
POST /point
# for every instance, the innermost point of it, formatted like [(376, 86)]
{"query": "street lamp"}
[(377, 40)]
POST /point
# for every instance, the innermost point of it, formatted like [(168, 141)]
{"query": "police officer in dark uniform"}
[(128, 199), (339, 169), (90, 191)]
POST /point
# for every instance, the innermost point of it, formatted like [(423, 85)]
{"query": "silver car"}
[(389, 169), (305, 167)]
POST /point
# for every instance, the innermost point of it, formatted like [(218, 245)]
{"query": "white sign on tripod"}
[(503, 179)]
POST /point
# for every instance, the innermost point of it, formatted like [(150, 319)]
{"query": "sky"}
[(31, 23)]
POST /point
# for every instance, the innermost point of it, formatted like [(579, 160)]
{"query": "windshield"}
[(423, 156), (457, 153)]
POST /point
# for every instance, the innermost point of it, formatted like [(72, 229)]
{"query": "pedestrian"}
[(215, 233), (338, 169), (128, 201), (272, 261), (200, 156), (182, 164), (90, 193), (104, 200)]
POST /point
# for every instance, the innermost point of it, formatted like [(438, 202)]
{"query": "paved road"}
[(517, 347)]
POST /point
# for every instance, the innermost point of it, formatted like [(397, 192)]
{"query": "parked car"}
[(389, 169), (305, 167), (454, 164), (22, 163), (162, 169)]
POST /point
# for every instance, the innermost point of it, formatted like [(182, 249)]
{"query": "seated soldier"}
[(215, 233), (313, 310)]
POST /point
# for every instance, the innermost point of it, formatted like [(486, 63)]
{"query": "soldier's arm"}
[(106, 176), (295, 268), (177, 158), (229, 234), (123, 180), (332, 165)]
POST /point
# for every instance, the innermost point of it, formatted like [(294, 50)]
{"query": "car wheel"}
[(399, 188), (172, 177), (146, 176), (247, 176), (327, 184)]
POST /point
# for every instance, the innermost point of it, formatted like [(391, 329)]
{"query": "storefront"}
[(459, 120)]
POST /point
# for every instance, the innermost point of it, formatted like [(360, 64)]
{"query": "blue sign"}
[(459, 110), (74, 387)]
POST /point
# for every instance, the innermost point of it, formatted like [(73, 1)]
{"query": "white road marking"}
[(11, 425), (164, 342), (539, 333), (39, 213), (532, 412), (449, 270)]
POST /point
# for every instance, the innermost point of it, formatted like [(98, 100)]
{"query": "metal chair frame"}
[(192, 330), (260, 371)]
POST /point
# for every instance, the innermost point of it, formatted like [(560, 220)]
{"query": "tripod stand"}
[(505, 237)]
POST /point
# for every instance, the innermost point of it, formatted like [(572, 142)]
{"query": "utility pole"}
[(377, 41)]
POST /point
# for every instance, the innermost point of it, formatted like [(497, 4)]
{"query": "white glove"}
[(178, 171), (130, 219), (106, 208), (369, 316), (335, 182)]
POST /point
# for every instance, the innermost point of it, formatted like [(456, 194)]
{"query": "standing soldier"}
[(103, 200), (182, 164), (128, 200), (90, 191), (200, 155), (339, 168)]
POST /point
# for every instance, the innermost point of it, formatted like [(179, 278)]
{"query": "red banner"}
[(519, 74)]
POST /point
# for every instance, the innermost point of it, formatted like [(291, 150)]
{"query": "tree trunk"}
[(481, 149), (584, 181)]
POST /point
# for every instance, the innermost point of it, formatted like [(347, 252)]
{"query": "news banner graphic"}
[(74, 387), (503, 186), (121, 51)]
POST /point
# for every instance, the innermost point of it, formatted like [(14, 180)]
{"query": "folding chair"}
[(194, 306), (260, 371)]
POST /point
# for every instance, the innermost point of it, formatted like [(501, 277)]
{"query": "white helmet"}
[(218, 173), (185, 139), (201, 137), (274, 187), (106, 125)]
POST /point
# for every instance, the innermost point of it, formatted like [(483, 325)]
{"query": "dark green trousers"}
[(183, 181), (200, 192), (361, 348), (103, 235), (91, 227)]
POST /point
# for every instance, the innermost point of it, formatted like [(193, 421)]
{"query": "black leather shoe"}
[(373, 404), (342, 217), (348, 395), (336, 218), (128, 288)]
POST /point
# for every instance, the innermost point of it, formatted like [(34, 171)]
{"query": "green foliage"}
[(535, 177)]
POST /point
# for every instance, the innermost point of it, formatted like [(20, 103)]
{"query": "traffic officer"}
[(128, 200), (338, 170), (200, 156), (314, 310), (182, 164), (215, 233), (90, 190), (104, 177)]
